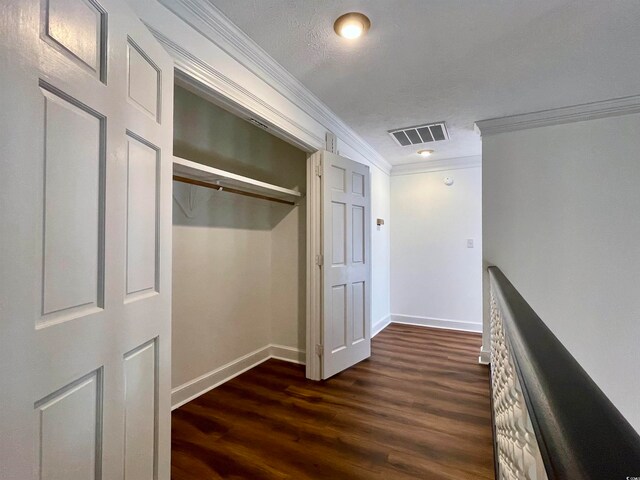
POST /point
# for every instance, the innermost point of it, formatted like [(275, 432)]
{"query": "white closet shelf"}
[(194, 173)]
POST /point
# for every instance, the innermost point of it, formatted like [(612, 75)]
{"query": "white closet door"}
[(85, 185), (346, 218)]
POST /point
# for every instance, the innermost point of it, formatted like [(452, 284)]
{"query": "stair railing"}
[(551, 421)]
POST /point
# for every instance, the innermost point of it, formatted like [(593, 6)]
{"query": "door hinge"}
[(319, 260), (319, 168), (319, 350)]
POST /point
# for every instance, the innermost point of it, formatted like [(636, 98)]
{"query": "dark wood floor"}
[(418, 408)]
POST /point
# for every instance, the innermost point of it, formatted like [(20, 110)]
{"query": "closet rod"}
[(191, 181)]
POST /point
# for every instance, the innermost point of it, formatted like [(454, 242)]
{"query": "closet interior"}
[(239, 239)]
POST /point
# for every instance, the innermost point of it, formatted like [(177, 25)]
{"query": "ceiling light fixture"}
[(425, 153), (352, 25)]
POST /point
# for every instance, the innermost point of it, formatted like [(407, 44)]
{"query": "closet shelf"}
[(194, 173)]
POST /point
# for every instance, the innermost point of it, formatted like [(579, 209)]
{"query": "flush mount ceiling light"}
[(425, 153), (352, 25)]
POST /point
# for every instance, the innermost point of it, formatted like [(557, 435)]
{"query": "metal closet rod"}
[(191, 181)]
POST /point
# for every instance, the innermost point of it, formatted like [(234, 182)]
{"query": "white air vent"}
[(433, 132)]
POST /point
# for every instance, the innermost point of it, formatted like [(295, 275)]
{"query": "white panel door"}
[(85, 218), (346, 270)]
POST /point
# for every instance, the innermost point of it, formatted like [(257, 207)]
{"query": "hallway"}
[(418, 408)]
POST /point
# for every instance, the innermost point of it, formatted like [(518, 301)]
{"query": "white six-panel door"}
[(346, 270), (85, 251)]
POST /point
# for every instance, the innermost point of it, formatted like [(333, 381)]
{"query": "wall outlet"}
[(470, 243)]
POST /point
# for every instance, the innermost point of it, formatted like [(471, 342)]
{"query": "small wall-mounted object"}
[(331, 142), (448, 181), (380, 222)]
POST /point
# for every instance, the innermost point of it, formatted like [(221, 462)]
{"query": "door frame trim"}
[(314, 267)]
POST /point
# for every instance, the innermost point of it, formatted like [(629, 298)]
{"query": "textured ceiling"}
[(453, 60)]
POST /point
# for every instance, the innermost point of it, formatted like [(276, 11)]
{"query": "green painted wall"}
[(208, 134)]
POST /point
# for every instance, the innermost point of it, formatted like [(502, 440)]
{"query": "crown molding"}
[(558, 116), (231, 94), (211, 23), (437, 165)]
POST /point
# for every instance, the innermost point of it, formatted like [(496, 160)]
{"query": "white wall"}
[(562, 221), (288, 276), (435, 279), (221, 283), (380, 248)]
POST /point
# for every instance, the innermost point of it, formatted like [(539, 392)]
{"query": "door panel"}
[(78, 29), (358, 233), (143, 80), (73, 256), (359, 318), (357, 184), (142, 216), (338, 318), (346, 218), (141, 413), (338, 233), (85, 215), (70, 426)]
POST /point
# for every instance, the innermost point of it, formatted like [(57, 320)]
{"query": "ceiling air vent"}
[(433, 132)]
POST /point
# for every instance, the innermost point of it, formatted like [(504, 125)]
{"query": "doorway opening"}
[(239, 243)]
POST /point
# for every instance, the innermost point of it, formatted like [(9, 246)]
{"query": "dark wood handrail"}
[(581, 434)]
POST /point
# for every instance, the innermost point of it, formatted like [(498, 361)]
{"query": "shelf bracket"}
[(191, 200)]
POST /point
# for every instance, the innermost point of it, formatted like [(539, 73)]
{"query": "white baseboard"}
[(288, 354), (202, 384), (380, 325), (485, 356), (436, 323)]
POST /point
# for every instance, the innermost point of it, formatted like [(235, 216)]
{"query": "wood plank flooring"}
[(418, 408)]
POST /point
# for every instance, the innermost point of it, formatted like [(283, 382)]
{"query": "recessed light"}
[(425, 153), (352, 25)]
